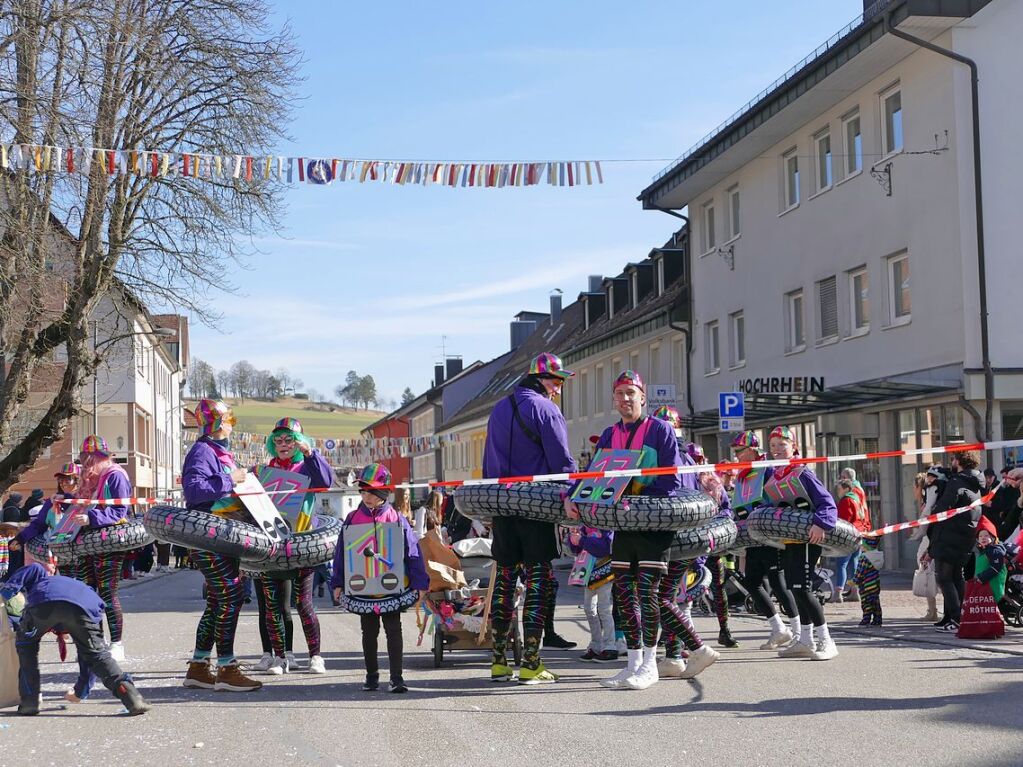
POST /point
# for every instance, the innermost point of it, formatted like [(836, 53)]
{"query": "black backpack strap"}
[(533, 436)]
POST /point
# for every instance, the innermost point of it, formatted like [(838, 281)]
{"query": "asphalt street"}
[(892, 697)]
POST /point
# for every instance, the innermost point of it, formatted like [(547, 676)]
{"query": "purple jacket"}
[(204, 479), (38, 525), (600, 547), (509, 451), (41, 588), (116, 485), (660, 437), (314, 466), (825, 512), (415, 569)]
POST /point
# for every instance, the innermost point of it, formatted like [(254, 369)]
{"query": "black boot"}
[(372, 683), (725, 638), (131, 698), (29, 707), (552, 639), (398, 686)]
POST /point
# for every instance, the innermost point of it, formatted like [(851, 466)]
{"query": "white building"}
[(835, 249)]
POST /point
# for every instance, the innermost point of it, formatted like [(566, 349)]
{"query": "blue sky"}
[(370, 276)]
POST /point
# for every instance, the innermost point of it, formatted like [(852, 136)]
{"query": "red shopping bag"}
[(980, 619)]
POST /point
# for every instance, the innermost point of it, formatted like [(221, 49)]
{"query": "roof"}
[(653, 309), (794, 97), (547, 337)]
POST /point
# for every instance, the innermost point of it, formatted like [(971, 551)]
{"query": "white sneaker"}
[(623, 648), (646, 675), (778, 640), (631, 667), (292, 661), (264, 663), (117, 651), (316, 665), (825, 649), (278, 667), (700, 660), (797, 650), (671, 668)]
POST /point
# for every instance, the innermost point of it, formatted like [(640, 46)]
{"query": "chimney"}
[(454, 367), (520, 331), (555, 307), (438, 375), (596, 283)]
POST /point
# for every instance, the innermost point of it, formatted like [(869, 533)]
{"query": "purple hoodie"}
[(314, 466), (115, 485), (415, 569), (660, 437), (38, 525), (599, 548), (204, 478), (509, 451), (41, 588), (825, 512)]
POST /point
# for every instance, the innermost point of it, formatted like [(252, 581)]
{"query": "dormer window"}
[(659, 282), (611, 301), (634, 293)]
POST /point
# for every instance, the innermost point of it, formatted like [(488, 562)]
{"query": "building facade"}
[(835, 251)]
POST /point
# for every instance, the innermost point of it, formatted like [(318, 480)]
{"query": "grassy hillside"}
[(317, 420)]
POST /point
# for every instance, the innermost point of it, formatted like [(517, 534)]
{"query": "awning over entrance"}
[(785, 408)]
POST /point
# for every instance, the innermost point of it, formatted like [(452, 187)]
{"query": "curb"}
[(137, 581), (911, 638)]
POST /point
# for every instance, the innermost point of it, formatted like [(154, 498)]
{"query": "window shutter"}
[(828, 301)]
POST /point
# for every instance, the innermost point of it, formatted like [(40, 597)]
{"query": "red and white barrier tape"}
[(941, 516), (649, 472)]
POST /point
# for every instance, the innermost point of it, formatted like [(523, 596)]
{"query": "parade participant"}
[(638, 559), (49, 515), (597, 543), (103, 480), (677, 622), (526, 434), (798, 487), (69, 606), (714, 486), (761, 561), (868, 578), (375, 510), (291, 450), (209, 475)]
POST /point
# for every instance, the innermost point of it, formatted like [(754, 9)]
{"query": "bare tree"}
[(177, 76), (201, 381), (223, 382)]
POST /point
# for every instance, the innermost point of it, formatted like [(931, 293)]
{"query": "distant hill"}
[(317, 419)]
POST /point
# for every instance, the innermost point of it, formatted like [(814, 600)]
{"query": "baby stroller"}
[(1011, 605)]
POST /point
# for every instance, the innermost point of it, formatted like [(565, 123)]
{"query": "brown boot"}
[(199, 676), (230, 678)]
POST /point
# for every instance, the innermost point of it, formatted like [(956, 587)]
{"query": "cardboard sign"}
[(374, 559), (607, 491), (290, 504), (67, 529), (258, 503), (581, 570)]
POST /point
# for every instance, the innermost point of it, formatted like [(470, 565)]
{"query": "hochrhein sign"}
[(783, 385)]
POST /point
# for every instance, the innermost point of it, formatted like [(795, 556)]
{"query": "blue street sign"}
[(731, 405)]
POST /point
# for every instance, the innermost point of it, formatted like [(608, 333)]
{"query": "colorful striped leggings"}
[(636, 595), (104, 574), (534, 610), (275, 598), (677, 623), (717, 590), (224, 599)]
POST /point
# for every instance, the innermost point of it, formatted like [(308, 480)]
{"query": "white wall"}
[(850, 225)]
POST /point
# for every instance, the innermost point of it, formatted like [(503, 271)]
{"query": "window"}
[(891, 130), (790, 167), (795, 335), (898, 289), (584, 394), (678, 358), (709, 237), (853, 145), (827, 309), (859, 300), (655, 363), (634, 362), (711, 358), (737, 339), (600, 389), (734, 229), (824, 176)]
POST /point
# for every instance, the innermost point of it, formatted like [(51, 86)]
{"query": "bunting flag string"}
[(318, 171)]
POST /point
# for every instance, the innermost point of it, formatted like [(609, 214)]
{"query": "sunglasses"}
[(284, 440)]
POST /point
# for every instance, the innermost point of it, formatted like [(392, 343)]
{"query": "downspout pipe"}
[(685, 329), (985, 348)]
